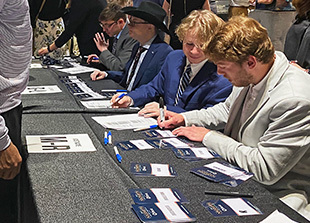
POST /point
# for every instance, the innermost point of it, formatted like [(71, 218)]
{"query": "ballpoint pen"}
[(110, 137), (118, 98), (118, 156), (145, 128), (113, 90), (227, 193), (105, 138), (94, 58), (161, 109)]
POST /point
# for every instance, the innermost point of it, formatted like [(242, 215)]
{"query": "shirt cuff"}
[(5, 141)]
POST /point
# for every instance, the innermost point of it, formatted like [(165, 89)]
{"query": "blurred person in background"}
[(297, 42)]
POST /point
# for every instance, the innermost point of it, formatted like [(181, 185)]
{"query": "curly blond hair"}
[(203, 24), (239, 38)]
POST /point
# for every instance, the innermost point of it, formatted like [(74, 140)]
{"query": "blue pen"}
[(118, 156), (105, 138), (110, 137), (141, 129), (119, 98), (112, 90)]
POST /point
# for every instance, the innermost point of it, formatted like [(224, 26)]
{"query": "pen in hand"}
[(118, 98), (161, 109)]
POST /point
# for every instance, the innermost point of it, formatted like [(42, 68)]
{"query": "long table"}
[(93, 186)]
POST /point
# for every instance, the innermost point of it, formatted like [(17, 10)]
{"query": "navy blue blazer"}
[(150, 66), (205, 90)]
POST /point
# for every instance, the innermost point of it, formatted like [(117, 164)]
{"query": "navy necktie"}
[(184, 81), (135, 63)]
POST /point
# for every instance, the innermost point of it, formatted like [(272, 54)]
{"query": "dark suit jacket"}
[(150, 65), (82, 20), (297, 43), (205, 90)]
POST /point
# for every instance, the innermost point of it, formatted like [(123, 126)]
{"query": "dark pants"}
[(10, 198)]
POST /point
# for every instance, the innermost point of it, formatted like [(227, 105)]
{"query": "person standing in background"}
[(297, 42), (177, 10), (15, 42), (81, 20)]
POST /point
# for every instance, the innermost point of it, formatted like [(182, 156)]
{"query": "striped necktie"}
[(135, 63), (114, 45), (184, 81)]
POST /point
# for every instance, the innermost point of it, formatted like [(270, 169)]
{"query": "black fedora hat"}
[(149, 12)]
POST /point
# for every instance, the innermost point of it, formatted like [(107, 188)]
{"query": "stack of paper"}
[(223, 172), (160, 205), (120, 122)]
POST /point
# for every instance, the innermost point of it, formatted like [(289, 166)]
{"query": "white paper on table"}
[(46, 89), (35, 66), (141, 144), (202, 152), (236, 174), (160, 169), (96, 104), (164, 195), (173, 212), (240, 207), (59, 143), (76, 69), (176, 143), (165, 133), (127, 121), (277, 217)]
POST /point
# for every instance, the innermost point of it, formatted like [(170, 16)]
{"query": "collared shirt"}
[(15, 57), (147, 45), (251, 96), (195, 68)]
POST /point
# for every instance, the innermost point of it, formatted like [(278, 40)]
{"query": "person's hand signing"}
[(120, 102), (172, 120)]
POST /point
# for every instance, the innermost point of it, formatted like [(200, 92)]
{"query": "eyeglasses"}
[(107, 26), (134, 23)]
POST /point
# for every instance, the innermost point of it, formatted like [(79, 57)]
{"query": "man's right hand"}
[(90, 59), (97, 75), (124, 102), (10, 162), (172, 120)]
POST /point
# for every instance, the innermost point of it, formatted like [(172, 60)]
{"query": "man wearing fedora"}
[(187, 80), (148, 54)]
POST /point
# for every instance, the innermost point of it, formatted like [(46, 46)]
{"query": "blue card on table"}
[(152, 169), (163, 212), (155, 195), (223, 172), (192, 154)]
